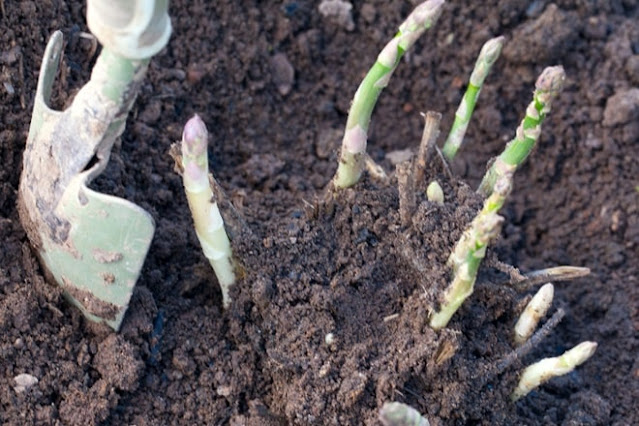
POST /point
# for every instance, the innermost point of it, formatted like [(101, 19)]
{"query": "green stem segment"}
[(487, 57), (209, 225), (351, 163), (470, 250), (548, 86)]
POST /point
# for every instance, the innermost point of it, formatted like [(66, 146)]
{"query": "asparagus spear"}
[(398, 414), (209, 225), (351, 162), (534, 311), (487, 57), (548, 86), (540, 372), (470, 250)]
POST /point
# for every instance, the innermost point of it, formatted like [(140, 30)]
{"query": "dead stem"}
[(500, 366), (542, 276), (449, 173), (524, 349), (406, 188), (426, 146)]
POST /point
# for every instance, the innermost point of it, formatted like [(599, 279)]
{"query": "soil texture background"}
[(273, 81)]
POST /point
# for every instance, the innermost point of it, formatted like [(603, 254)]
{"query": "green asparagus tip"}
[(487, 57), (491, 49), (422, 18), (194, 137)]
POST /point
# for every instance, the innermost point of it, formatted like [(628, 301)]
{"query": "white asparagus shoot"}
[(540, 372), (533, 313), (209, 225)]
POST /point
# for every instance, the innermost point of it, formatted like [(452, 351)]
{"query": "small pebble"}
[(369, 13), (632, 69), (24, 382), (329, 339), (9, 88), (338, 11), (593, 142), (622, 107), (283, 73), (223, 390), (11, 56), (328, 141)]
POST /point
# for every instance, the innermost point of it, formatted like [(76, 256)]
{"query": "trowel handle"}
[(135, 29)]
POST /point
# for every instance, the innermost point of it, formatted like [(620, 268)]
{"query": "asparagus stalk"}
[(487, 57), (548, 86), (539, 373), (351, 163), (209, 225), (470, 250), (398, 414), (533, 313)]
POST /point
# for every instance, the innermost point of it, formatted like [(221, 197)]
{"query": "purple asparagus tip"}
[(195, 137), (551, 80)]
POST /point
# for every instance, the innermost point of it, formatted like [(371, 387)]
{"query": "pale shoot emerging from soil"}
[(398, 414), (548, 86), (209, 225), (435, 193), (353, 155), (539, 373), (470, 250), (533, 313), (487, 57)]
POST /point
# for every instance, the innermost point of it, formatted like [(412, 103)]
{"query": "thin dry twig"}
[(406, 189), (427, 145), (523, 350), (531, 343), (542, 276)]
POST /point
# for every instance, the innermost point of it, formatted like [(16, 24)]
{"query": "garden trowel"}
[(92, 244)]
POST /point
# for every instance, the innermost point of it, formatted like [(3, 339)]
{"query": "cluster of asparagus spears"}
[(466, 257)]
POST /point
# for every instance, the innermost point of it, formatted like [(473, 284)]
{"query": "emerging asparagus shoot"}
[(548, 86), (435, 193), (533, 313), (209, 225), (352, 157), (539, 373), (398, 414), (470, 250), (487, 57)]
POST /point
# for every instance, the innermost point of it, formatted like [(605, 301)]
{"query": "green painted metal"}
[(92, 244)]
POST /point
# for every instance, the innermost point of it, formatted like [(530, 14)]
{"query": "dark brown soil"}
[(347, 267)]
